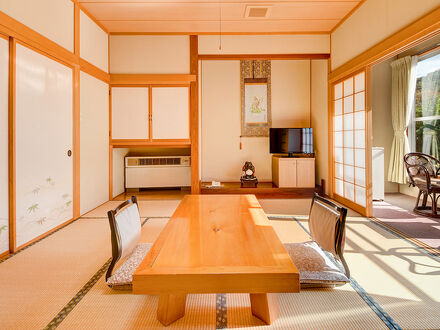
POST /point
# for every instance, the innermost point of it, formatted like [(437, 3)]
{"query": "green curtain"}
[(403, 82)]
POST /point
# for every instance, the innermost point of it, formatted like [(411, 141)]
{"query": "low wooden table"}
[(217, 244)]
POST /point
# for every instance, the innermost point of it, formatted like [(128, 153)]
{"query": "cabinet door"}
[(130, 113), (287, 173), (305, 170), (4, 209), (170, 113), (44, 171)]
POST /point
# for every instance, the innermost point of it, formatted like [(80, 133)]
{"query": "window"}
[(424, 129)]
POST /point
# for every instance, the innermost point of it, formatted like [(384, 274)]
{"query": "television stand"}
[(293, 172)]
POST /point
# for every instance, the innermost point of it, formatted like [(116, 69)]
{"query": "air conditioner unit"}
[(155, 172)]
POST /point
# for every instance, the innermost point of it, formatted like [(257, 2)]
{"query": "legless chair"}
[(327, 229), (125, 226)]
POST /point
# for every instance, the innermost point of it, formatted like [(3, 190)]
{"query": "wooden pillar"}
[(194, 114), (331, 154), (11, 148), (76, 118), (369, 143)]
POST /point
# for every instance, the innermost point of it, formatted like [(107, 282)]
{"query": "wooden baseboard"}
[(4, 255)]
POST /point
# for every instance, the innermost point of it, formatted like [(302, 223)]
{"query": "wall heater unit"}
[(155, 172)]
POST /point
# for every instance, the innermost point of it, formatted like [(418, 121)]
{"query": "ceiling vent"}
[(257, 11)]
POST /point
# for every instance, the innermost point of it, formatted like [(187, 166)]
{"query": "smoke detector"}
[(253, 11)]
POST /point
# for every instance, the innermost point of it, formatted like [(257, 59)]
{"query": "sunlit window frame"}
[(412, 124)]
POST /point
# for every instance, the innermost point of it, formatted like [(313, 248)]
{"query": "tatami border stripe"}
[(380, 312), (431, 251), (77, 298), (221, 314), (81, 293)]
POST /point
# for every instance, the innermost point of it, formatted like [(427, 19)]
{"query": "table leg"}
[(171, 307), (265, 306)]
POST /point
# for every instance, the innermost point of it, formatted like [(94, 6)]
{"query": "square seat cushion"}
[(314, 266), (123, 277)]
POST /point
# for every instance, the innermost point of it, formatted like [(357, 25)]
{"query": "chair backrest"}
[(420, 165), (327, 227), (125, 226)]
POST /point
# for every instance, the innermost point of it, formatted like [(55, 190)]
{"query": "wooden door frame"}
[(411, 35), (367, 210)]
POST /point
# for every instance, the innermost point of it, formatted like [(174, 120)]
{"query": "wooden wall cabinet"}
[(130, 112), (293, 172), (150, 113)]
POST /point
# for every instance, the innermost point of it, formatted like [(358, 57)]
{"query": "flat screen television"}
[(291, 141)]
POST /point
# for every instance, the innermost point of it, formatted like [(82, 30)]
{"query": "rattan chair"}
[(423, 171)]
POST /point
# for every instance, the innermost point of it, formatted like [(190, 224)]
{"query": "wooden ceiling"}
[(213, 16)]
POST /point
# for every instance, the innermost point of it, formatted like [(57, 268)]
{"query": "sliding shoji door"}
[(350, 143), (44, 163), (4, 200)]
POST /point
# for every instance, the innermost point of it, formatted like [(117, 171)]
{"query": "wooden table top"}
[(217, 244)]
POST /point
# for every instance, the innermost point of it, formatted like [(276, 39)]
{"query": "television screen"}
[(291, 141)]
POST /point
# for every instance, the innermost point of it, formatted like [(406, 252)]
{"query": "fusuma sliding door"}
[(44, 162), (4, 199), (350, 174)]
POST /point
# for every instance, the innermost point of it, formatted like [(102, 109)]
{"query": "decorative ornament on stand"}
[(248, 179)]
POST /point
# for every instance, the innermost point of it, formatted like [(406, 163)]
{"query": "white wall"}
[(118, 170), (222, 158), (94, 142), (51, 18), (264, 44), (383, 133), (319, 112), (371, 23), (93, 43), (4, 178), (149, 54), (290, 93)]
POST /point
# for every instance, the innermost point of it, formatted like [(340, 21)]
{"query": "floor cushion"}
[(123, 276), (314, 266)]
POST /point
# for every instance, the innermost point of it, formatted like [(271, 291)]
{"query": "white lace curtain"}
[(402, 100), (430, 93)]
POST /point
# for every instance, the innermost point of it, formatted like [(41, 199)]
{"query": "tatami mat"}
[(402, 278), (36, 283), (104, 308), (340, 308), (146, 208)]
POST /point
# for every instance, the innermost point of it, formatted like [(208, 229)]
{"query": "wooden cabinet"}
[(293, 172), (150, 113), (170, 113), (130, 113)]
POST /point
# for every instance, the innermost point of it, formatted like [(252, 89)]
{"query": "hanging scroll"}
[(255, 98)]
